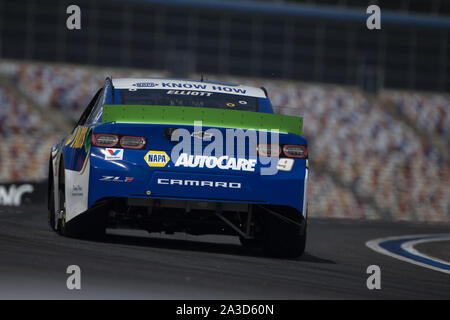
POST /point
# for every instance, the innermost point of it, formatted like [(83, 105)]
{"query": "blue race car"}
[(169, 155)]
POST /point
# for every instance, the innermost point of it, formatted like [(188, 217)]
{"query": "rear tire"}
[(283, 239)]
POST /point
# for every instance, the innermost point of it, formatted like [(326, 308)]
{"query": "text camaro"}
[(170, 155)]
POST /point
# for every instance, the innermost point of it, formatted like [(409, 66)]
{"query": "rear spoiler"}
[(210, 117)]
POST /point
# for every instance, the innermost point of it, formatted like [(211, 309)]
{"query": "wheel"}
[(63, 229), (91, 224), (62, 225), (284, 239)]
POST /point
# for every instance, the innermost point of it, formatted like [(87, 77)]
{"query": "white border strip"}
[(375, 245), (409, 246)]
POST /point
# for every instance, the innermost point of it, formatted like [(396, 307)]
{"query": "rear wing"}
[(210, 117)]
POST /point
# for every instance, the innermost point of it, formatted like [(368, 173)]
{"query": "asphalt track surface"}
[(441, 251), (136, 265)]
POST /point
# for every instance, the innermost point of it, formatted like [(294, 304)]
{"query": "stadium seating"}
[(378, 156), (429, 112), (26, 140), (65, 88)]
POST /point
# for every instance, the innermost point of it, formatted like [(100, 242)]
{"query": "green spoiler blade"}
[(209, 117)]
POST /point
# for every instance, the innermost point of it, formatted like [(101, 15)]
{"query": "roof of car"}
[(181, 84)]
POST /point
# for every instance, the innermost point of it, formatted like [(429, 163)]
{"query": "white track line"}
[(409, 246), (375, 245)]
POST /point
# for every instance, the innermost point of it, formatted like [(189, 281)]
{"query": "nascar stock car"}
[(169, 155)]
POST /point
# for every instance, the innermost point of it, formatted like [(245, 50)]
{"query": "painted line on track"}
[(402, 248)]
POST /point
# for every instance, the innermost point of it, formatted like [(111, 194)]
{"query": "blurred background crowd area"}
[(366, 162), (375, 103)]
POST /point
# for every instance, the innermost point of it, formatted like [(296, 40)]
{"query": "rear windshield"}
[(186, 98)]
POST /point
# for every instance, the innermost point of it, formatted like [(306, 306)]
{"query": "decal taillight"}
[(268, 150), (105, 140), (132, 142), (115, 141), (295, 151)]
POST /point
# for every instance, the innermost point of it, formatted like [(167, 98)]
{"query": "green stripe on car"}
[(221, 118)]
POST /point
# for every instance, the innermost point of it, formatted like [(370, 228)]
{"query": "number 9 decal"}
[(285, 164)]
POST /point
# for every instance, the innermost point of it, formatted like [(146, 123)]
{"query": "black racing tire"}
[(283, 239), (63, 228)]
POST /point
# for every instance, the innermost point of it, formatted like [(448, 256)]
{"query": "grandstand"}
[(26, 139), (366, 164), (428, 112), (376, 104)]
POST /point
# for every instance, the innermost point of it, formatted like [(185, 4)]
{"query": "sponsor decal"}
[(116, 179), (190, 93), (200, 183), (77, 190), (113, 154), (239, 145), (183, 87), (156, 158), (145, 85), (285, 164), (13, 196), (210, 87), (223, 162)]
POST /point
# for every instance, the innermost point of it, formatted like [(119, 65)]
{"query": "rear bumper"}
[(132, 177)]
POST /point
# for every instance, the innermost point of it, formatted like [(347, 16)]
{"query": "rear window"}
[(186, 98)]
